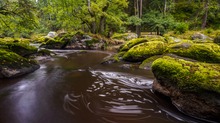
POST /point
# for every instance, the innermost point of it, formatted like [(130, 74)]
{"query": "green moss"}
[(132, 43), (124, 36), (155, 38), (186, 75), (53, 43), (22, 49), (145, 50), (20, 46), (45, 52), (146, 64), (119, 36), (186, 35), (206, 52), (40, 39), (173, 40), (117, 57), (13, 60)]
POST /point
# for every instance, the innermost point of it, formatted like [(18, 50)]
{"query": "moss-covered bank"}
[(13, 65), (21, 47)]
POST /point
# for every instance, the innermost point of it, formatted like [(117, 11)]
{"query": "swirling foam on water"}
[(115, 97)]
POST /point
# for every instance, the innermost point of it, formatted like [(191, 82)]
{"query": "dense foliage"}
[(23, 17)]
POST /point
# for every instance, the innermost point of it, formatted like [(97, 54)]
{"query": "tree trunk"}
[(165, 7), (93, 24), (103, 20), (204, 20), (102, 25), (138, 13)]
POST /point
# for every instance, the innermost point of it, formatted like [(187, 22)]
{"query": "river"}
[(75, 88)]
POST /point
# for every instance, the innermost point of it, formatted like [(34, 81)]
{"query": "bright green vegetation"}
[(145, 50), (45, 52), (107, 17), (12, 60), (186, 75), (117, 57), (205, 52), (53, 43), (120, 36), (155, 38), (132, 43), (21, 47)]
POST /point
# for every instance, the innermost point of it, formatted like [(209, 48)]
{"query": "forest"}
[(22, 18), (109, 61)]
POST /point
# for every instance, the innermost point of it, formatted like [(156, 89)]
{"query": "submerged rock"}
[(193, 87), (13, 65)]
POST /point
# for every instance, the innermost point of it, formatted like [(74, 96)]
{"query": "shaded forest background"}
[(22, 18)]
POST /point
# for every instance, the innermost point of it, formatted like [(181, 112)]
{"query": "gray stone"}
[(52, 34)]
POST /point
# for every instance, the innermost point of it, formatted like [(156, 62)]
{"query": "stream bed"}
[(75, 88)]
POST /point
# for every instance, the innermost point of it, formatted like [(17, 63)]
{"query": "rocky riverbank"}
[(187, 70)]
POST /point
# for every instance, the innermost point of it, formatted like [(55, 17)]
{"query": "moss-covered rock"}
[(146, 64), (187, 75), (155, 38), (193, 87), (145, 50), (13, 65), (132, 43), (44, 52), (53, 44), (206, 52), (21, 47), (113, 58)]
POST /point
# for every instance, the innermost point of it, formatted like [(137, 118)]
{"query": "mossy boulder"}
[(22, 49), (205, 52), (155, 38), (145, 50), (44, 52), (113, 58), (53, 44), (13, 65), (187, 75), (132, 43), (146, 64), (194, 87)]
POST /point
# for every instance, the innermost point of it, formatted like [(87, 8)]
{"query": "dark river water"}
[(75, 88)]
